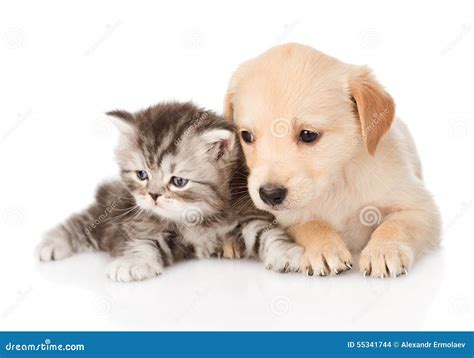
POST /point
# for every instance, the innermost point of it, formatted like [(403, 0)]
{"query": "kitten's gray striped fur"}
[(149, 224)]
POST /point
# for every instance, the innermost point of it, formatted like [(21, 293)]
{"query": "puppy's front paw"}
[(285, 259), (54, 246), (387, 258), (326, 257), (127, 269)]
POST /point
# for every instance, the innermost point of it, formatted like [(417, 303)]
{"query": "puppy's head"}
[(302, 116)]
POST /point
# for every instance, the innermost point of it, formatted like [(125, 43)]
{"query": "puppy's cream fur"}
[(359, 187)]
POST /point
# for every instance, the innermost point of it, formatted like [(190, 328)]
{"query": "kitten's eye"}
[(309, 136), (247, 136), (142, 175), (179, 182)]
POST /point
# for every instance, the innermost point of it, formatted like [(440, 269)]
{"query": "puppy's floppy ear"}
[(123, 120), (229, 101), (220, 142), (229, 106), (375, 107)]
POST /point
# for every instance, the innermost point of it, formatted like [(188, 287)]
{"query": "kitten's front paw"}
[(127, 269), (387, 258), (286, 259), (54, 246)]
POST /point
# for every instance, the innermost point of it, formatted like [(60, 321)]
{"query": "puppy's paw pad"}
[(127, 270), (53, 247), (332, 258), (389, 259)]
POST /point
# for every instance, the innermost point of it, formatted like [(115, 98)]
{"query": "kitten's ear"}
[(220, 142), (123, 120)]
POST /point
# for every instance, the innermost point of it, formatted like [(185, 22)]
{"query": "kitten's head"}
[(177, 160)]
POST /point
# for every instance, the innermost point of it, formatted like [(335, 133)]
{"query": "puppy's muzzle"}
[(272, 194)]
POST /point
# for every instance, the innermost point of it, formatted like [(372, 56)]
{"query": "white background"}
[(63, 64)]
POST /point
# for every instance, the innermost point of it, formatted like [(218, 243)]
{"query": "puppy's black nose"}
[(154, 196), (272, 194)]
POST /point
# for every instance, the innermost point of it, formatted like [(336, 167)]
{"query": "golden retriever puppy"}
[(330, 161)]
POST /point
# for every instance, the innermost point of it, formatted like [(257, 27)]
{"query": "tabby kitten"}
[(182, 194)]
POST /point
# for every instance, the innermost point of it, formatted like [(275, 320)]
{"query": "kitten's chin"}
[(166, 213), (187, 215)]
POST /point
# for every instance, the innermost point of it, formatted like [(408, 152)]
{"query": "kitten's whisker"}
[(239, 187), (122, 215), (242, 203)]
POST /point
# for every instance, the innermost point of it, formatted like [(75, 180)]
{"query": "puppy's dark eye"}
[(142, 175), (309, 136), (247, 136), (179, 182)]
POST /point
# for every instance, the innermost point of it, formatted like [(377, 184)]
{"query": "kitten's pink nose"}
[(154, 196)]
